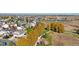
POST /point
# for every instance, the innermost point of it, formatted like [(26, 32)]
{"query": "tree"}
[(23, 42), (57, 27), (32, 37)]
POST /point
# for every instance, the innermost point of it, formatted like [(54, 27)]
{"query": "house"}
[(13, 27), (19, 28), (18, 34), (33, 23), (5, 26), (2, 32)]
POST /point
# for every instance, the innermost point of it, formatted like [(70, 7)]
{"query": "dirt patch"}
[(62, 40)]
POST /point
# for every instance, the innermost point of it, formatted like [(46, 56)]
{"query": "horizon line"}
[(39, 14)]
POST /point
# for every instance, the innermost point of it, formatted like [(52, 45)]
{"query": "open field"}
[(68, 38)]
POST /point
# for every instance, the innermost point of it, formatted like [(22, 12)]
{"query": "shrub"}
[(77, 31), (28, 30)]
